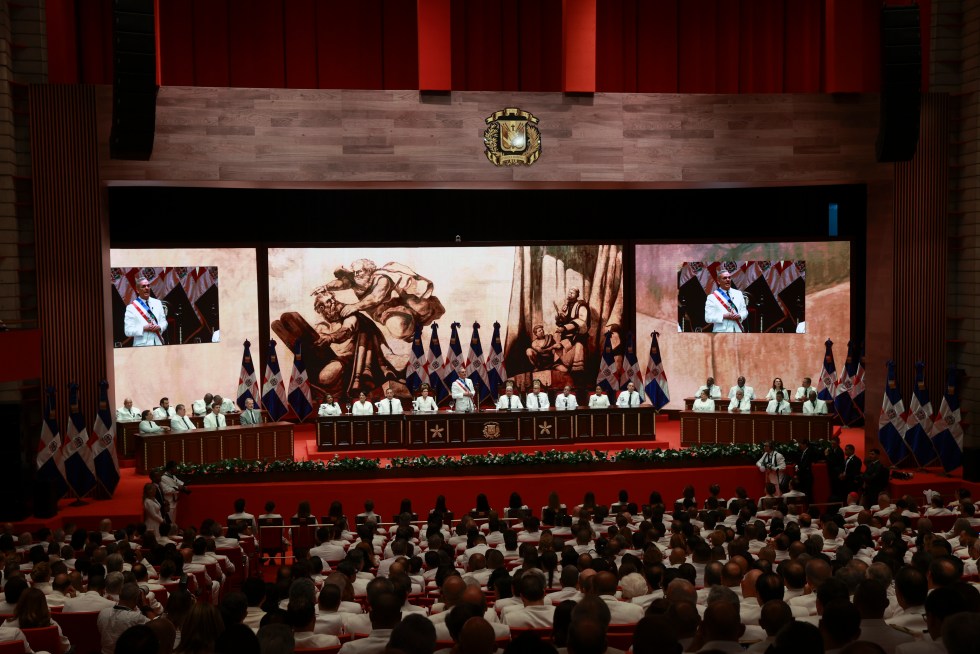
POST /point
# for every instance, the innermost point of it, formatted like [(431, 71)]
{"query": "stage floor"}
[(460, 491)]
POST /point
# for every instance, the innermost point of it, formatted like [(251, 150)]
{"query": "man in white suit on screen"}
[(145, 320), (725, 307)]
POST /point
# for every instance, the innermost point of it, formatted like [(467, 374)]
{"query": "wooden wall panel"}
[(71, 241)]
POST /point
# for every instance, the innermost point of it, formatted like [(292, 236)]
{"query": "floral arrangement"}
[(701, 453)]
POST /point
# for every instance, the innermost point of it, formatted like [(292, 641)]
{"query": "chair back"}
[(545, 633), (270, 539), (46, 639), (620, 636), (319, 650), (82, 629), (12, 647), (303, 533), (237, 559)]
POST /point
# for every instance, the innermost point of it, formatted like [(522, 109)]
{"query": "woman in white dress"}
[(152, 513), (599, 400), (329, 407), (425, 402), (362, 407), (777, 387), (703, 402)]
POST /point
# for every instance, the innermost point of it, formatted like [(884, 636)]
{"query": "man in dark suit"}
[(851, 476), (804, 468), (875, 477), (835, 468)]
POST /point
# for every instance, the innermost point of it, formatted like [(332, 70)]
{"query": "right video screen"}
[(758, 310)]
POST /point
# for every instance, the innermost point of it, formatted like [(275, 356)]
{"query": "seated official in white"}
[(803, 392), (537, 398), (704, 403), (630, 397), (215, 419), (566, 400), (425, 402), (814, 406), (164, 411), (777, 387), (714, 390), (329, 407), (390, 405), (227, 405), (747, 391), (203, 406), (127, 411), (181, 422), (599, 399), (362, 407), (779, 405), (147, 426), (508, 400), (740, 404)]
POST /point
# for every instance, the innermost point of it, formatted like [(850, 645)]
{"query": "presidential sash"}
[(728, 308)]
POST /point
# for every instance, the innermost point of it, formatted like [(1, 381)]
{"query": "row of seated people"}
[(536, 399), (801, 394), (712, 573), (165, 411), (740, 404)]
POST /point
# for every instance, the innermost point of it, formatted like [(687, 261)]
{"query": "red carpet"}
[(460, 491)]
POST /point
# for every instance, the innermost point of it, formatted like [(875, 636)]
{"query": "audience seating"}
[(82, 630), (46, 639), (12, 647), (545, 633), (620, 636), (270, 538), (320, 650)]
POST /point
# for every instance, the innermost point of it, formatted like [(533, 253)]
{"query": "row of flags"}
[(615, 374), (915, 435), (82, 460), (275, 398)]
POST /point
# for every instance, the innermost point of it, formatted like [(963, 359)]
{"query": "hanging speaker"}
[(901, 84), (134, 83)]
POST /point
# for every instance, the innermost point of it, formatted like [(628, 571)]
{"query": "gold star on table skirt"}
[(545, 428), (436, 432)]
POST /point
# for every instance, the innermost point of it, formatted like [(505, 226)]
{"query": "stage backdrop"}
[(689, 357), (185, 374), (355, 310)]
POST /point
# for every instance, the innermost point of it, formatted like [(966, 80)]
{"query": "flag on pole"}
[(79, 466), (476, 367), (454, 358), (437, 365), (857, 388), (299, 385), (417, 371), (919, 420), (50, 458), (631, 368), (496, 372), (608, 369), (273, 388), (104, 445), (842, 396), (656, 379), (947, 432), (891, 422), (827, 379), (248, 383)]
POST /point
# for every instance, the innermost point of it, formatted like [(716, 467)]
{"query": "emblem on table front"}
[(491, 430), (436, 432), (544, 428), (512, 138)]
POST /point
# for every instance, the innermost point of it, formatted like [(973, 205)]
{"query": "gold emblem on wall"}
[(512, 138), (491, 430)]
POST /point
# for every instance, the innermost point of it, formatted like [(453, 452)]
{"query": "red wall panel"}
[(299, 44), (60, 20), (698, 46), (95, 41), (349, 44), (803, 46), (255, 39), (761, 46), (657, 50), (176, 47), (401, 45), (435, 45), (615, 37), (212, 66), (579, 47)]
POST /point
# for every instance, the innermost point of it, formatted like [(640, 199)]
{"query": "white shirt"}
[(704, 405), (214, 420), (563, 402), (124, 414), (803, 392), (747, 392), (364, 408), (819, 408), (771, 461), (780, 407), (389, 406), (538, 400), (329, 410), (509, 402), (745, 406), (426, 403), (629, 399), (713, 393), (113, 622), (160, 413), (181, 423), (598, 401)]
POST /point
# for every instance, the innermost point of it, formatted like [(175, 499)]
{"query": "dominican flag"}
[(454, 358), (104, 445), (299, 385), (273, 389), (608, 369), (857, 388), (631, 368), (437, 365), (417, 371), (476, 367), (919, 420), (947, 432), (656, 379), (827, 379), (496, 372), (891, 422), (79, 465), (50, 458), (248, 383), (842, 395)]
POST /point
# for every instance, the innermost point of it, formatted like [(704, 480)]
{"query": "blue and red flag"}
[(631, 368), (919, 420), (827, 379), (947, 434), (50, 457), (609, 372), (248, 382), (104, 445), (476, 367), (891, 421), (417, 371), (496, 372), (299, 386), (656, 379), (273, 388), (79, 464), (437, 365)]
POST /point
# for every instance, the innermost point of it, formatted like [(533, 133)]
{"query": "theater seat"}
[(81, 629), (12, 647), (46, 639)]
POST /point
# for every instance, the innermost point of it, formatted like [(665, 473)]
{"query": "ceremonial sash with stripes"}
[(728, 308)]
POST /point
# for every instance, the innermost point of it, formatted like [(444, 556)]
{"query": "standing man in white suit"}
[(725, 307)]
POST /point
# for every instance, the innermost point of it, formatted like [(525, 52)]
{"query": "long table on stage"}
[(450, 430), (723, 427), (270, 440), (128, 430), (796, 406)]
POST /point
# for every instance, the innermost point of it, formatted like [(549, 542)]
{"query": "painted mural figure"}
[(572, 320)]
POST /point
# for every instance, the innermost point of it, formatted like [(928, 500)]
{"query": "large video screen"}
[(188, 295), (782, 302), (354, 311)]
